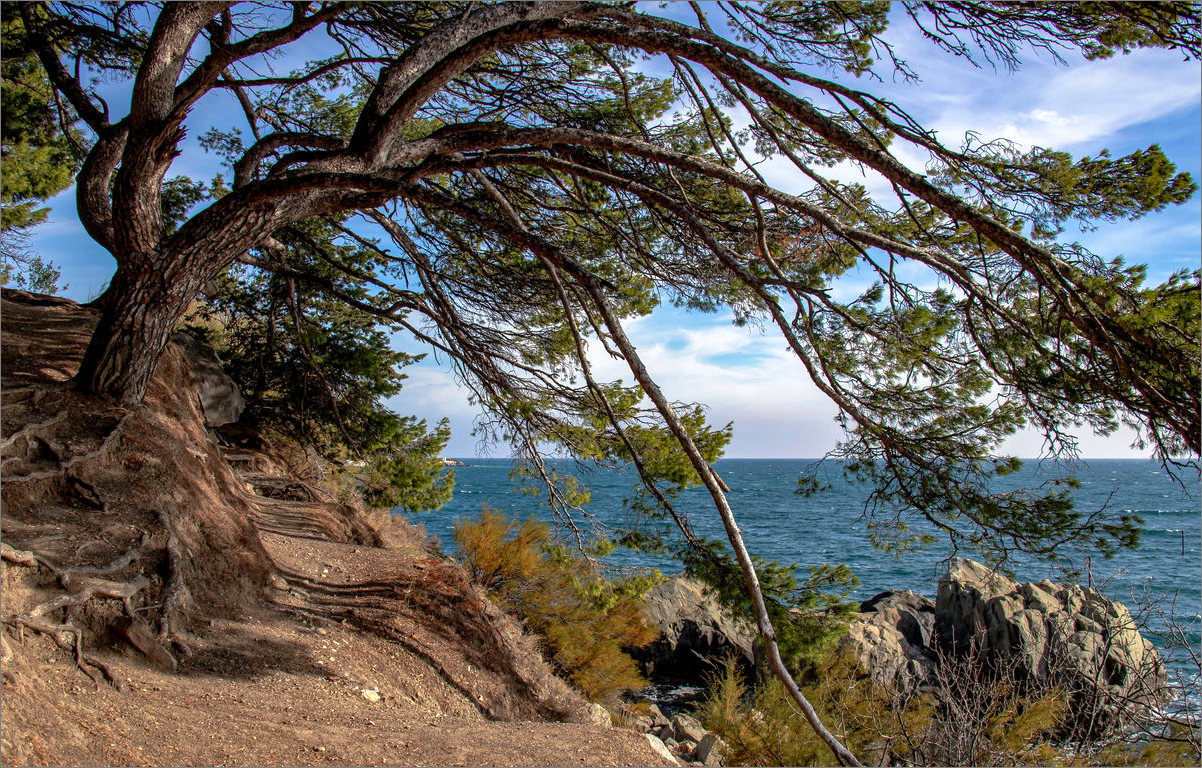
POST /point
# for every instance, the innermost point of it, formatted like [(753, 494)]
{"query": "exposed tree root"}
[(108, 438), (174, 591), (37, 392), (62, 453), (383, 628), (18, 556), (29, 430), (69, 638), (33, 559), (29, 477), (119, 564), (82, 586)]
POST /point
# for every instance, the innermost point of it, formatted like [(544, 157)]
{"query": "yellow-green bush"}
[(765, 728), (989, 723), (976, 720), (586, 619)]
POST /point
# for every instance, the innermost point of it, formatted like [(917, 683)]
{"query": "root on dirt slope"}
[(130, 514), (130, 528)]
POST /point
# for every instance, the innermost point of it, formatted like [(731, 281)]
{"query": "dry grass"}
[(397, 533)]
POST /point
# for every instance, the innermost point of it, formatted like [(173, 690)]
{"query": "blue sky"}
[(748, 377)]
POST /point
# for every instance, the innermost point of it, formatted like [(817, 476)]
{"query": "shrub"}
[(763, 727), (586, 618), (321, 373), (808, 610), (966, 717)]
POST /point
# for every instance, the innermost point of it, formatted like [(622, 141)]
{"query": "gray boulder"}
[(711, 750), (658, 719), (219, 395), (696, 634), (966, 592), (687, 728), (891, 640), (598, 715), (910, 613), (1060, 634), (660, 749)]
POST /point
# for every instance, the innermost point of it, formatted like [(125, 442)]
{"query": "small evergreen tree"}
[(318, 370), (41, 150), (586, 619)]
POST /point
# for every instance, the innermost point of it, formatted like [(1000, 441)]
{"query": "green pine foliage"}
[(761, 726), (809, 612), (319, 371), (586, 619), (39, 158)]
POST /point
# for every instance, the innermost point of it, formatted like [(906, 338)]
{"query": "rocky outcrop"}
[(126, 502), (892, 641), (696, 634), (687, 728), (711, 750), (661, 749), (1062, 634), (598, 715), (1042, 632), (219, 395)]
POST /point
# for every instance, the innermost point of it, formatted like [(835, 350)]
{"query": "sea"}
[(1164, 571)]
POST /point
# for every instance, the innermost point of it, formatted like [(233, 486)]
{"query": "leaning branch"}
[(595, 288)]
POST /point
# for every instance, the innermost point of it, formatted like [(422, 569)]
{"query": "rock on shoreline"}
[(696, 633), (1045, 632), (894, 638)]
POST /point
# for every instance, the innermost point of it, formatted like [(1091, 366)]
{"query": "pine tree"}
[(41, 151), (536, 191)]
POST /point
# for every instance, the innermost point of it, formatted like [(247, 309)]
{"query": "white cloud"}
[(1079, 108), (1166, 244), (744, 375), (776, 411), (1029, 442), (1054, 106)]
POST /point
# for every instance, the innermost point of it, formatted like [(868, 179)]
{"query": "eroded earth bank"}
[(168, 600)]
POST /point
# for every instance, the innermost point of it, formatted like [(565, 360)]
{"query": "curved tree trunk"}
[(138, 313), (150, 292), (733, 533)]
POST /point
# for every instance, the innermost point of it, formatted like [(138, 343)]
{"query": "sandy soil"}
[(277, 689)]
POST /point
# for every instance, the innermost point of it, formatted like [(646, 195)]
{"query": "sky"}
[(747, 376)]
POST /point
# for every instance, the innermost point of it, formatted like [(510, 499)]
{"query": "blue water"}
[(780, 525)]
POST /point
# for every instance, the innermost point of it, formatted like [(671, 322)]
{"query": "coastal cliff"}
[(172, 597)]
